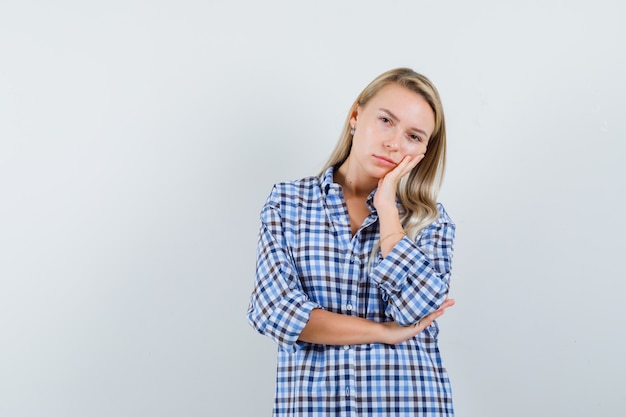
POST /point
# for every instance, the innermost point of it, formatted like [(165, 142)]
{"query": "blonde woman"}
[(354, 264)]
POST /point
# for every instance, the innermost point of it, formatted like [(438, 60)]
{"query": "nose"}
[(392, 143)]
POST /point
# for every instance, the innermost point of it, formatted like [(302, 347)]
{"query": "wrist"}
[(392, 234), (388, 210)]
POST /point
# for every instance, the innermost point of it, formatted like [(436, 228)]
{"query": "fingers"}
[(398, 334), (406, 165), (415, 160), (429, 319)]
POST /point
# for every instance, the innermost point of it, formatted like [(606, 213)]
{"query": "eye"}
[(385, 120), (415, 138)]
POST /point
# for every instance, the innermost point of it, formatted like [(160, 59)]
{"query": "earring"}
[(352, 131)]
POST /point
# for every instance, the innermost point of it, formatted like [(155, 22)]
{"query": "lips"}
[(385, 161)]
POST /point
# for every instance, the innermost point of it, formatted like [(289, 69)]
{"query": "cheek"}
[(415, 150)]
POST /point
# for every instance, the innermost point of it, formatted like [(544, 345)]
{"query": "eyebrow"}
[(393, 116)]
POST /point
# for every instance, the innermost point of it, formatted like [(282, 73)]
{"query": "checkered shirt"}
[(308, 258)]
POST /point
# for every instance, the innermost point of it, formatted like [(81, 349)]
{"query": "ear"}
[(354, 115)]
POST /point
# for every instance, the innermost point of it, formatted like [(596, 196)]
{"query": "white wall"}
[(139, 139)]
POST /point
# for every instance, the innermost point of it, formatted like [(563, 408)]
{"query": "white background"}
[(139, 139)]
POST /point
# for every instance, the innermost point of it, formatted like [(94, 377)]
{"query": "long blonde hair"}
[(417, 191)]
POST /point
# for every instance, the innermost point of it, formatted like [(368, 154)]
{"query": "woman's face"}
[(394, 123)]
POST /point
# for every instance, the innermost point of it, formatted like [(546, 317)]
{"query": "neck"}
[(353, 184)]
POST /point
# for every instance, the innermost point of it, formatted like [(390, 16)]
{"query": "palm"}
[(386, 193)]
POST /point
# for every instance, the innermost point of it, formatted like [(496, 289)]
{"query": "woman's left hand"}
[(385, 196)]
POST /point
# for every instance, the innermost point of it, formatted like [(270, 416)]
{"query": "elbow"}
[(407, 312), (255, 320), (283, 322)]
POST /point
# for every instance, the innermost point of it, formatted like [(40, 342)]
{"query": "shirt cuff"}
[(392, 272), (288, 319)]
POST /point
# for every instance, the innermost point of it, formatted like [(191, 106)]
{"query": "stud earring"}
[(352, 131)]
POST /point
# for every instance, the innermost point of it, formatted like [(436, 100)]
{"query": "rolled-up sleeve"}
[(414, 277), (279, 308)]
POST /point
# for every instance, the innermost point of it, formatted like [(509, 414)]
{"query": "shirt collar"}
[(326, 180), (327, 183)]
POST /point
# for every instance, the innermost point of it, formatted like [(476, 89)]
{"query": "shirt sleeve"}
[(415, 276), (279, 308)]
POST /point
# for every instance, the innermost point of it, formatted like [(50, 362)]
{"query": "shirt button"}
[(347, 391), (346, 347), (349, 307)]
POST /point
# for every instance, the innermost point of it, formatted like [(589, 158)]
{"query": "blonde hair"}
[(418, 190)]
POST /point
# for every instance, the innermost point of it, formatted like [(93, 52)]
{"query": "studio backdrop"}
[(139, 140)]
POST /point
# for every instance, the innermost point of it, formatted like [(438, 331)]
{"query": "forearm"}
[(391, 230), (327, 328)]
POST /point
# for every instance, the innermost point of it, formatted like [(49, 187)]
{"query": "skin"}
[(391, 137)]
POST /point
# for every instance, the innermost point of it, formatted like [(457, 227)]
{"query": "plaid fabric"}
[(308, 259)]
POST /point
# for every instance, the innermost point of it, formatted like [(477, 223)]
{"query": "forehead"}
[(395, 93), (410, 107)]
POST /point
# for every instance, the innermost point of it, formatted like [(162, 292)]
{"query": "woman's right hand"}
[(393, 333)]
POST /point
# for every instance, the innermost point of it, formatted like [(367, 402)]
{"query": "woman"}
[(354, 265)]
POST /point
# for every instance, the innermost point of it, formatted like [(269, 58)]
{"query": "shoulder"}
[(302, 190), (291, 201), (444, 217), (439, 233)]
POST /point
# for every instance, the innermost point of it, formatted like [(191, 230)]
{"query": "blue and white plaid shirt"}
[(308, 258)]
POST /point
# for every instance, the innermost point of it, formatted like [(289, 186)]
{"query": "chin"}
[(378, 172)]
